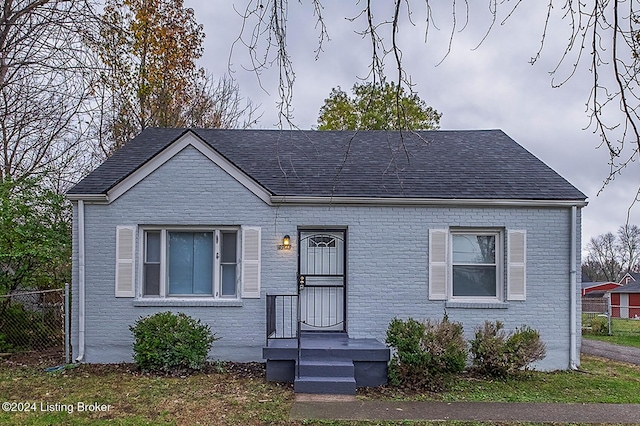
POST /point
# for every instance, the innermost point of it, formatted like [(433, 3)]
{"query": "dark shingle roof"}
[(483, 164), (633, 287), (634, 275)]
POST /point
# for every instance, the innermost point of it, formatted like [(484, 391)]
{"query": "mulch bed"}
[(51, 358), (42, 358)]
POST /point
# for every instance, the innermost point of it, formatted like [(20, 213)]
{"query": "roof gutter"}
[(404, 201), (88, 197), (275, 200)]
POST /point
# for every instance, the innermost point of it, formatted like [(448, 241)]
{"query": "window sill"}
[(476, 305), (189, 302)]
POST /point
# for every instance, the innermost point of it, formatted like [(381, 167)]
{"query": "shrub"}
[(599, 326), (496, 354), (4, 346), (426, 354), (23, 329), (171, 343)]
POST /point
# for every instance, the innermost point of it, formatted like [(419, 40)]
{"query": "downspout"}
[(81, 283), (574, 361)]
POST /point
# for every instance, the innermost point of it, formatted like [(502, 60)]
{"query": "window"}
[(152, 262), (189, 262), (468, 265), (322, 241), (474, 264)]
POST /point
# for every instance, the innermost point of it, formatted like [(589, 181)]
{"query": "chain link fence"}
[(622, 323), (35, 321), (595, 316), (599, 316)]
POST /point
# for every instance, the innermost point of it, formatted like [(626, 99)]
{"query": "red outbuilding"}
[(625, 301), (600, 287)]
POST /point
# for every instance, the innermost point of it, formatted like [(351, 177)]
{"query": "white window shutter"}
[(438, 264), (125, 255), (517, 265), (251, 248)]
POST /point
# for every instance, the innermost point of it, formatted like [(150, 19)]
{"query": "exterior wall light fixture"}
[(286, 243)]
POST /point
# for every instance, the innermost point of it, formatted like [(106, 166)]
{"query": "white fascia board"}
[(304, 200), (87, 197), (188, 139)]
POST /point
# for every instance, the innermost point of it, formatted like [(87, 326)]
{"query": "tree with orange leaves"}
[(149, 49)]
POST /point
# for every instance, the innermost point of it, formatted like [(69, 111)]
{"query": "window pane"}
[(151, 269), (229, 247), (474, 281), (202, 263), (229, 280), (190, 262), (469, 248), (152, 279), (180, 262), (322, 241), (153, 247)]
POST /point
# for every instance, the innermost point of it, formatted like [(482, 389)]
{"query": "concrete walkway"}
[(349, 408), (467, 411), (611, 351)]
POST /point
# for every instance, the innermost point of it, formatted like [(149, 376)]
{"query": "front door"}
[(321, 267)]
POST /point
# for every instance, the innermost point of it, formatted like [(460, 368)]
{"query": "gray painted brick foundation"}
[(387, 262)]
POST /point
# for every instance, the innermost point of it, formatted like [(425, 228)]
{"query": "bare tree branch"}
[(605, 30), (46, 79)]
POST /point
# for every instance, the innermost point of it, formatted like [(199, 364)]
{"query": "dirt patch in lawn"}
[(40, 358)]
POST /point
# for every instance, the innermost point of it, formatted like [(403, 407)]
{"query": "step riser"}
[(345, 354), (302, 385), (326, 370), (326, 354)]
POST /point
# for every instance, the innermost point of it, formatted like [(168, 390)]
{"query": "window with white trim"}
[(190, 262), (476, 265), (468, 264)]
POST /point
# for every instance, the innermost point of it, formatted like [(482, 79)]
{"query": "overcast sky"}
[(491, 87)]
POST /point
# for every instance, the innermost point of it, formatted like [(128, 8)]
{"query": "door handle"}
[(301, 282)]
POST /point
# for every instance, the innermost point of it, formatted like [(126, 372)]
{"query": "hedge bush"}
[(599, 326), (171, 343), (22, 329), (426, 354), (496, 354)]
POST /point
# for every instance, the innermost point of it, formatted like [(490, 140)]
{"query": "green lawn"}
[(237, 396), (617, 339), (624, 332)]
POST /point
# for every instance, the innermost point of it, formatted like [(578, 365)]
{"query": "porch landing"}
[(330, 363)]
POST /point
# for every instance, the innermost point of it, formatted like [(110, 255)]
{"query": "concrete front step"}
[(326, 368), (346, 353), (325, 385), (329, 362)]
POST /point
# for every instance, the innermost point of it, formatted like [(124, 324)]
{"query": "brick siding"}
[(387, 262)]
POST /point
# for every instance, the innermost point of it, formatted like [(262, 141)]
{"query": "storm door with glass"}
[(322, 280)]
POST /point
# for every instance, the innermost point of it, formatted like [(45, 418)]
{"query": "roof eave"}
[(388, 201), (407, 201), (88, 197)]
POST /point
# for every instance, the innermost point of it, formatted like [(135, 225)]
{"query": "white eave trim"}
[(273, 200), (88, 197), (398, 201)]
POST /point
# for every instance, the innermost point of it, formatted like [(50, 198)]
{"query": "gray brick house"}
[(271, 236)]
